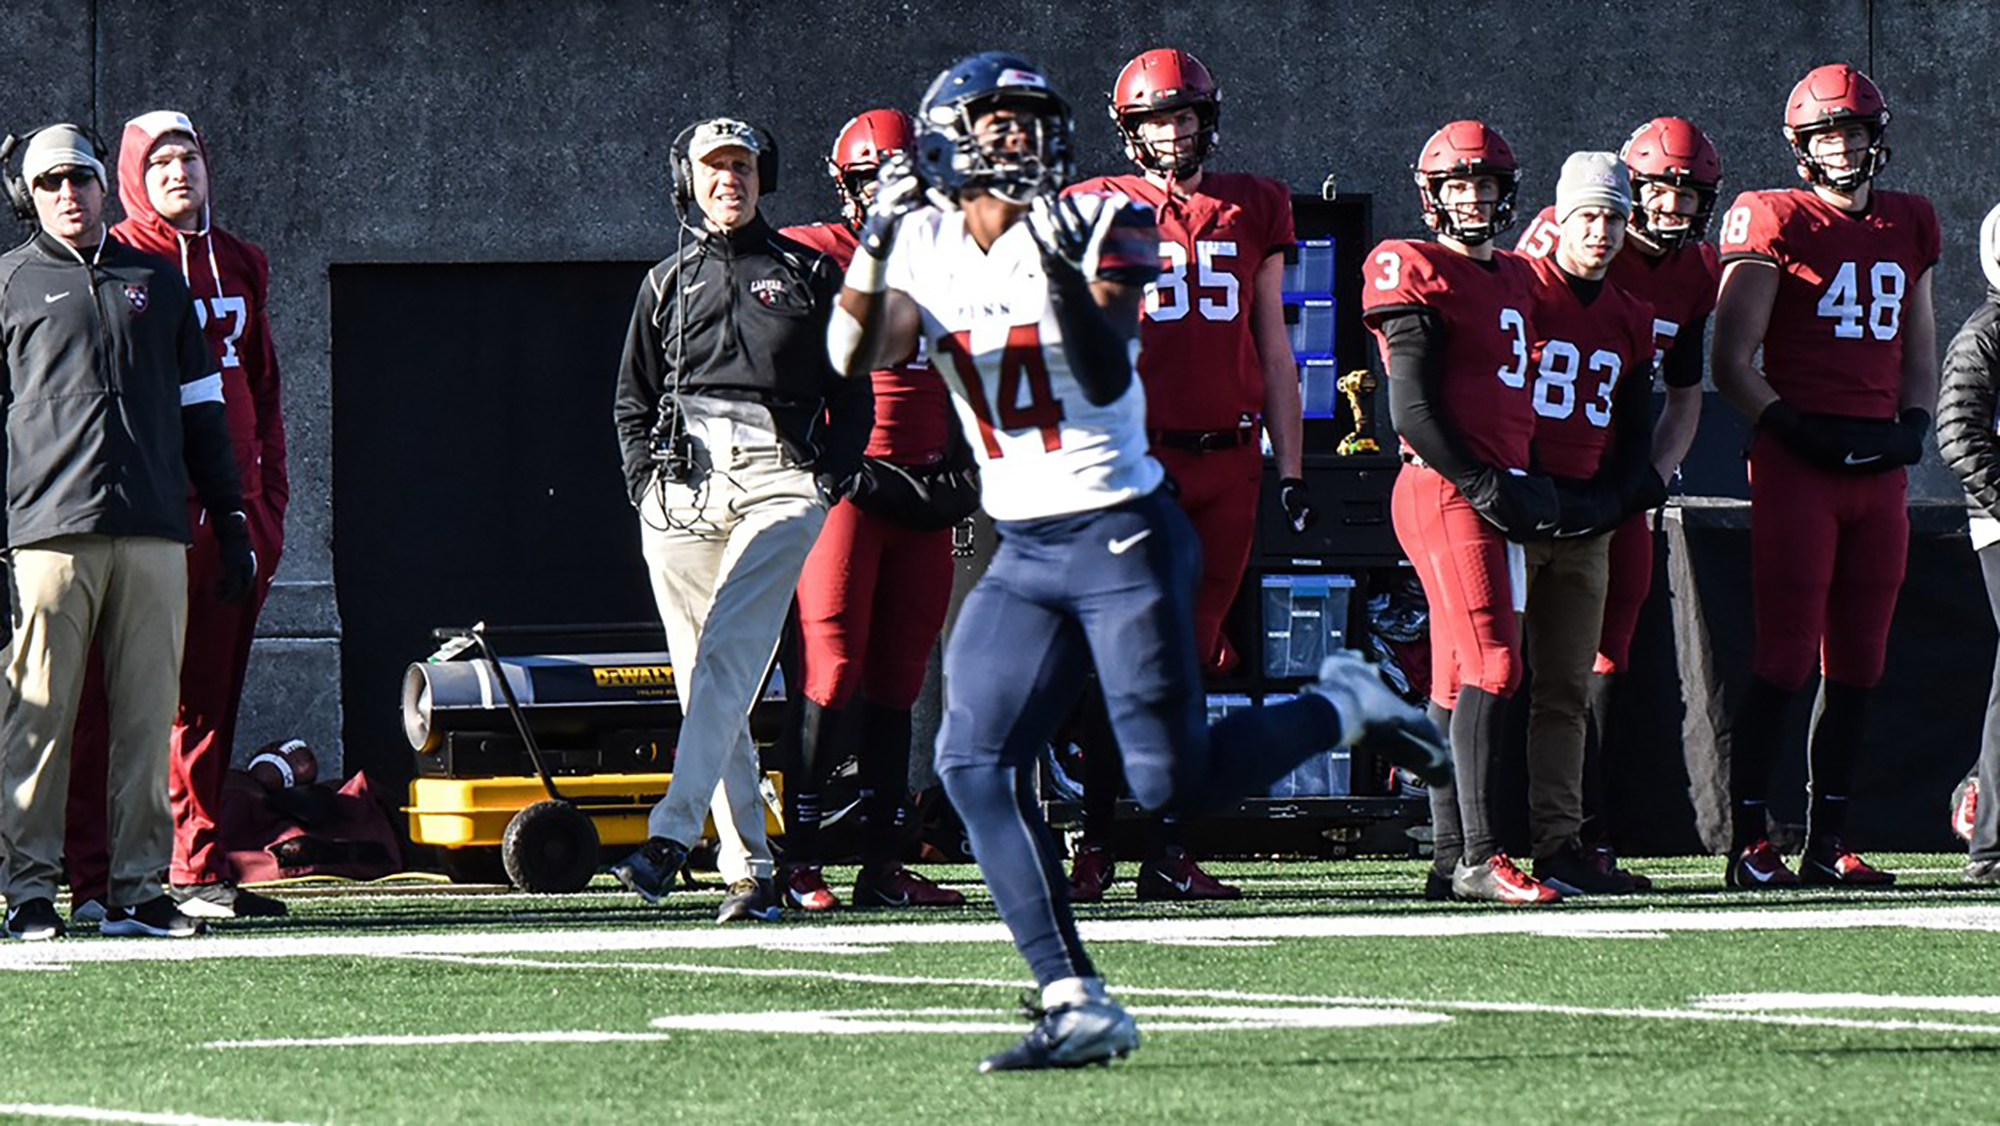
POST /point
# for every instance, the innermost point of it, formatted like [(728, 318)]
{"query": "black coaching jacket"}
[(756, 306), (1967, 407), (113, 402)]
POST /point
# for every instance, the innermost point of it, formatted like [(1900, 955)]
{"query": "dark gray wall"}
[(470, 130)]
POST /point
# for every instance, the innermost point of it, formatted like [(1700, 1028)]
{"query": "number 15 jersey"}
[(1835, 342), (1044, 449)]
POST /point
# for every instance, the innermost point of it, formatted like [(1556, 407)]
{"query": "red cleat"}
[(1499, 881), (805, 889), (1759, 866), (1177, 876), (897, 886), (1964, 803), (1091, 872), (1830, 864)]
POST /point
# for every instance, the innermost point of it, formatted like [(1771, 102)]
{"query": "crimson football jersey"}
[(911, 403), (1580, 353), (1197, 355), (1485, 309), (1835, 341), (1679, 285)]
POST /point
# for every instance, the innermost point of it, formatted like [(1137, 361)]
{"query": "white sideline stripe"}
[(1557, 922), (1887, 1002), (107, 1114), (444, 1038)]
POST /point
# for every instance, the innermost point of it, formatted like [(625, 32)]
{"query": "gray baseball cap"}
[(721, 133)]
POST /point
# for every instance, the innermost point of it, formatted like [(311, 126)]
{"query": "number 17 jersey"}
[(1044, 449)]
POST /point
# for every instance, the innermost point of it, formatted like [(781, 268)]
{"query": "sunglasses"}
[(53, 181)]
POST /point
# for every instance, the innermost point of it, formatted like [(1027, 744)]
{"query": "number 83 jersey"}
[(1835, 341), (1044, 449)]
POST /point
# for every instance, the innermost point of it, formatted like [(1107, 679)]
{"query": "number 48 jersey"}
[(1835, 342), (1044, 449)]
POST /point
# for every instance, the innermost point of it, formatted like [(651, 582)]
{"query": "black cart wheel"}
[(472, 865), (550, 846)]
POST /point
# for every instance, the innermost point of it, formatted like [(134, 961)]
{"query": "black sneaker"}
[(34, 920), (1982, 871), (651, 870), (1437, 886), (749, 899), (1096, 1031), (155, 918), (224, 900), (1571, 871)]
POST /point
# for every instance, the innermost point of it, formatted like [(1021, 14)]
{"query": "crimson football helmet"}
[(1671, 150), (1829, 97), (858, 152), (1467, 148), (1166, 78)]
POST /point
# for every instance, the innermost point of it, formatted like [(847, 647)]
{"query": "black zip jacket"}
[(756, 306), (1967, 408), (113, 402)]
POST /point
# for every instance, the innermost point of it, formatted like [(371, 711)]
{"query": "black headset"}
[(681, 170), (16, 184)]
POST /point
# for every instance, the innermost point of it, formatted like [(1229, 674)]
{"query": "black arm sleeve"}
[(1966, 405), (1631, 453), (1099, 355), (1682, 367), (641, 380), (209, 454), (1416, 369)]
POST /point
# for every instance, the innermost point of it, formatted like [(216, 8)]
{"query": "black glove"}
[(1841, 444), (898, 192), (1651, 492), (1523, 507), (1587, 509), (1298, 505), (1067, 237), (1906, 441), (239, 562), (833, 487)]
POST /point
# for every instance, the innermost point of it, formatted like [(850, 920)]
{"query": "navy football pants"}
[(1116, 585)]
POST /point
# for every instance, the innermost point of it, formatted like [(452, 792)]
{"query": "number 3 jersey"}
[(1197, 353), (1484, 309), (1044, 449), (1835, 341)]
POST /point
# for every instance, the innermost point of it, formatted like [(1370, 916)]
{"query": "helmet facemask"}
[(1166, 157), (1445, 220), (1672, 238), (1846, 180), (1022, 157)]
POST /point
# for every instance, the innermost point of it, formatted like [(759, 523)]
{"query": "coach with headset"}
[(737, 435), (114, 403)]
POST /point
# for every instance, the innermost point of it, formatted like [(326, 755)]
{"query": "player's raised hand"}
[(1069, 237), (898, 192)]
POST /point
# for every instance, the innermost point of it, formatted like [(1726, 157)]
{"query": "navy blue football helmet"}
[(1028, 157)]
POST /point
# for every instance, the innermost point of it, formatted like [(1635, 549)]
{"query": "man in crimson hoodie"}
[(163, 184)]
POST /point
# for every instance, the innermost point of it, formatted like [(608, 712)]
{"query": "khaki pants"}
[(725, 554), (130, 594), (1565, 615)]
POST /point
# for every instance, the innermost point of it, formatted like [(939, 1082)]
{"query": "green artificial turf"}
[(133, 1036)]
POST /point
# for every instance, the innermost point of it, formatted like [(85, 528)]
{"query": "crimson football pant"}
[(1986, 813), (214, 660), (1055, 597), (1827, 556), (871, 600), (1465, 568), (1565, 615)]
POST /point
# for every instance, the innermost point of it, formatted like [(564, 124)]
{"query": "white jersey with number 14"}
[(1044, 449)]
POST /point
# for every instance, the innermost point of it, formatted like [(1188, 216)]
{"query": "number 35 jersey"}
[(1044, 449), (1196, 350), (1484, 308), (1835, 342)]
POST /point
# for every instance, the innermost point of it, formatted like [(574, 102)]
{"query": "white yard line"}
[(1555, 923), (63, 1113)]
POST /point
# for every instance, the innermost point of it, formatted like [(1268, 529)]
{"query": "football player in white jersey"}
[(1030, 304)]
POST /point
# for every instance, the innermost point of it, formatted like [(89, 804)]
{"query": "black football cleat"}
[(650, 871), (1096, 1031)]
